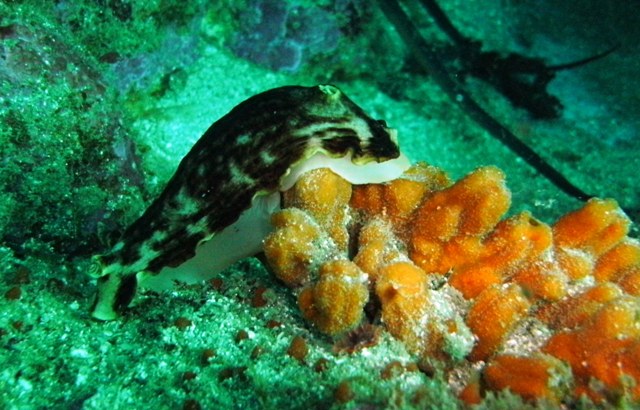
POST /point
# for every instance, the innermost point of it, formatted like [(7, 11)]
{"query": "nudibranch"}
[(216, 208)]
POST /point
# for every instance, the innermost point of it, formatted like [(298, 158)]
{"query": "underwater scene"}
[(330, 204)]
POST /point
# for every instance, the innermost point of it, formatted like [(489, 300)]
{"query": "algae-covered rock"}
[(60, 130)]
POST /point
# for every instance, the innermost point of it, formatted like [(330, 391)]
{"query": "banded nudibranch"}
[(216, 208)]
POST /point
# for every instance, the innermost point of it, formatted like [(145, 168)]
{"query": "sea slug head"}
[(345, 128)]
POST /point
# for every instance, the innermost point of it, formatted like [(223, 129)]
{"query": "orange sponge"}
[(583, 235), (402, 290), (292, 246), (398, 199), (336, 301), (543, 306), (605, 350), (449, 224), (377, 247), (529, 377), (492, 317), (327, 206)]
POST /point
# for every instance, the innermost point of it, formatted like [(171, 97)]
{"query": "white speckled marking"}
[(238, 176)]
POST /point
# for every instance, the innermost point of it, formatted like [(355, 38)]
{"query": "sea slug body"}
[(217, 205)]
